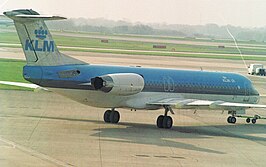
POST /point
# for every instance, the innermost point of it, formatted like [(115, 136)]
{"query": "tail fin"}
[(37, 42)]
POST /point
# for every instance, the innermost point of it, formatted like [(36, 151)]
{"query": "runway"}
[(45, 129)]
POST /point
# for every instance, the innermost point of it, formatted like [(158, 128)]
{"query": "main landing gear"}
[(231, 119), (111, 116), (164, 121)]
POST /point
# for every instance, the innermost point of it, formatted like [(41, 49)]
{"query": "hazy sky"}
[(248, 13)]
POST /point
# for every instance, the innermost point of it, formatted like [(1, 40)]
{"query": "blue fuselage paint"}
[(156, 80)]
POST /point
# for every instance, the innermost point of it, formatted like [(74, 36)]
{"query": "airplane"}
[(113, 87)]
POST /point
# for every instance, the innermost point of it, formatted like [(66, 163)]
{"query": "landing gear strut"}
[(164, 121), (111, 116)]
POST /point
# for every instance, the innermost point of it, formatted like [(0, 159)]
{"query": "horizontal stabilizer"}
[(44, 17), (25, 14)]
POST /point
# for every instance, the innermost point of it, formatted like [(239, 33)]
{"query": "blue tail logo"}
[(41, 33), (40, 45)]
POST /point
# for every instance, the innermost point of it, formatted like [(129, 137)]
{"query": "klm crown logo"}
[(41, 33)]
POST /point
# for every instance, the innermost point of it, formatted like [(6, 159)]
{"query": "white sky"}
[(247, 13)]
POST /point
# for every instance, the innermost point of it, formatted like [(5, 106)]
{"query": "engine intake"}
[(119, 84)]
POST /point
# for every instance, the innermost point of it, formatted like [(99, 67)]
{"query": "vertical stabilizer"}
[(37, 42)]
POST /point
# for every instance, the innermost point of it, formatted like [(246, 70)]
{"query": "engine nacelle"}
[(119, 84)]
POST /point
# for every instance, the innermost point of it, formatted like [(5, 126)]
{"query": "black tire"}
[(254, 120), (229, 119), (167, 122), (233, 120), (106, 116), (160, 121), (114, 117), (248, 120)]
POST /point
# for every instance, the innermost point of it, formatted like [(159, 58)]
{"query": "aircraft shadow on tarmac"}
[(150, 135)]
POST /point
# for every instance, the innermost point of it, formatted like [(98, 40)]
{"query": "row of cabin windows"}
[(193, 85)]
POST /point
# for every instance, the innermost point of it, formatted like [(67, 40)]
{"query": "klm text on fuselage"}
[(47, 46)]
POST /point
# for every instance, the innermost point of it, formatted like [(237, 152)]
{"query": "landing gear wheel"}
[(106, 116), (111, 116), (229, 119), (248, 120), (167, 122), (233, 120), (160, 121), (114, 117), (254, 120)]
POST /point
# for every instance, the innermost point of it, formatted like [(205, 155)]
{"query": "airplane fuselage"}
[(73, 81)]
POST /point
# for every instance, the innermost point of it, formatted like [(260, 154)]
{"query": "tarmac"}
[(46, 129)]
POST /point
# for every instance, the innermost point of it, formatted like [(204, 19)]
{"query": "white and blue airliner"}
[(114, 87)]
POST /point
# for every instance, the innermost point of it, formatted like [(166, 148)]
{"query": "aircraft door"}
[(168, 83)]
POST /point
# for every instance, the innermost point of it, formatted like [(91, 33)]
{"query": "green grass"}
[(11, 70), (9, 37), (135, 45)]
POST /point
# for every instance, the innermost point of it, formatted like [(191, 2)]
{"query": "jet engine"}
[(119, 84)]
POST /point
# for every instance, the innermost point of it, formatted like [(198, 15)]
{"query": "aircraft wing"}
[(25, 85), (195, 103)]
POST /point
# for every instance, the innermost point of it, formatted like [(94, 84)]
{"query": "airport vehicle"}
[(256, 69), (126, 87), (261, 71)]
